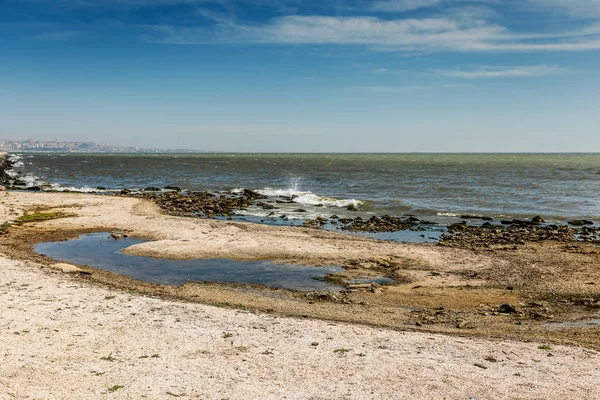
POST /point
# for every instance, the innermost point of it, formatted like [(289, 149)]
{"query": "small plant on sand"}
[(4, 227), (227, 335), (38, 217), (113, 389), (544, 347), (341, 350)]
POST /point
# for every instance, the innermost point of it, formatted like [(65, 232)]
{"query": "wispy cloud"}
[(412, 34), (403, 5), (501, 72), (387, 71), (389, 89)]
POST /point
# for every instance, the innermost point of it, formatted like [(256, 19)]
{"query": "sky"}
[(304, 75)]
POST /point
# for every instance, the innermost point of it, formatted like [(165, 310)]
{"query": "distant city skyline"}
[(304, 76)]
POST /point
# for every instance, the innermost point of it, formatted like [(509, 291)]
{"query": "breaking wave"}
[(305, 197)]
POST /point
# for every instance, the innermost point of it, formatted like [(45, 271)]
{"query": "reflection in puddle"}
[(100, 251)]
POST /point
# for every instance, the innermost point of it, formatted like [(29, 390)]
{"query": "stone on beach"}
[(67, 268)]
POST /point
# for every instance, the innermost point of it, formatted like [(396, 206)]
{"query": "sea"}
[(440, 188)]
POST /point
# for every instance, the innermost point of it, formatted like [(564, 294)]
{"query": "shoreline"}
[(440, 318), (467, 285)]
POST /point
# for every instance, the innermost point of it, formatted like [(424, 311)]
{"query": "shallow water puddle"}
[(100, 251), (585, 323)]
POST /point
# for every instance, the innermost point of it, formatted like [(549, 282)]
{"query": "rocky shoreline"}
[(473, 231)]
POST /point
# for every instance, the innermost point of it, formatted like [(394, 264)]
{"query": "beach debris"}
[(68, 268)]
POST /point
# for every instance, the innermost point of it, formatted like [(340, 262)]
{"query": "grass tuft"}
[(115, 388), (38, 217), (341, 350)]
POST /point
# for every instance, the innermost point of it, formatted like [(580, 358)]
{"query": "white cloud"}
[(389, 89), (414, 34), (501, 72), (403, 5)]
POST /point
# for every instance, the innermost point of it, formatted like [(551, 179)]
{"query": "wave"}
[(308, 198)]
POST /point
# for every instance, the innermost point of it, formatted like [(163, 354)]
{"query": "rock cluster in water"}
[(519, 232), (197, 203), (374, 224)]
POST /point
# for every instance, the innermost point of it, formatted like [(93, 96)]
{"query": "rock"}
[(100, 188), (67, 268), (351, 208), (581, 222), (251, 194), (2, 188), (175, 188), (300, 210), (537, 220), (314, 344), (507, 309), (465, 325), (152, 189)]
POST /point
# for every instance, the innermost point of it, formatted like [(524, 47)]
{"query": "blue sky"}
[(292, 75)]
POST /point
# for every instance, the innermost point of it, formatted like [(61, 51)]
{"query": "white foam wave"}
[(308, 198), (448, 214), (84, 189)]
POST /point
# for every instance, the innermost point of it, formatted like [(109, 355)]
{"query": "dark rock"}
[(537, 220), (152, 189), (351, 208), (175, 188), (507, 309), (251, 194), (100, 188), (300, 210)]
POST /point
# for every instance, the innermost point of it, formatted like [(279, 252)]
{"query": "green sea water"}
[(433, 186)]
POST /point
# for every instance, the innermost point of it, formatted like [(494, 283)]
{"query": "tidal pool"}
[(98, 250)]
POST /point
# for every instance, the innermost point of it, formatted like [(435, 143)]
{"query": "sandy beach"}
[(436, 333), (63, 339)]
